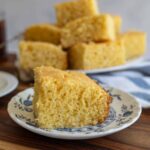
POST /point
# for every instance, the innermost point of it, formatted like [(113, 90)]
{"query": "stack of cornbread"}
[(82, 38)]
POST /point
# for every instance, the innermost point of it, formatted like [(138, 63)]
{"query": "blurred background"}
[(21, 13)]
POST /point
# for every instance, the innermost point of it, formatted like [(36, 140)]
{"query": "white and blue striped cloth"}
[(135, 82)]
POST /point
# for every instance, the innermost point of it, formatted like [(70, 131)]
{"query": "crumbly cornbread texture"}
[(134, 43), (35, 54), (118, 23), (67, 99), (69, 11), (97, 28), (43, 33), (100, 55)]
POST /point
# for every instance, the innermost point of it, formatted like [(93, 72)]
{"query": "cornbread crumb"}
[(96, 28), (35, 54), (100, 55), (134, 43), (67, 99), (69, 11), (43, 33)]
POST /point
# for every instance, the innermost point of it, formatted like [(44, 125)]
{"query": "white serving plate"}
[(27, 76), (129, 64)]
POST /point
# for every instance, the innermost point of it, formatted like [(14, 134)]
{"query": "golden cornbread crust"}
[(67, 99), (96, 28), (134, 43), (34, 54), (43, 33), (100, 55), (69, 11), (118, 23)]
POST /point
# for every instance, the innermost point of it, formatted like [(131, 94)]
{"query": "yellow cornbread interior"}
[(100, 55), (134, 43), (34, 54), (67, 99), (43, 33), (96, 28), (69, 11)]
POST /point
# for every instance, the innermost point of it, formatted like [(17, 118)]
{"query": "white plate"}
[(125, 110), (127, 65), (8, 83), (26, 76)]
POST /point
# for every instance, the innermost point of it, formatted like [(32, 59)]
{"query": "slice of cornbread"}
[(69, 11), (134, 43), (34, 54), (43, 33), (100, 55), (67, 99), (87, 29), (118, 23)]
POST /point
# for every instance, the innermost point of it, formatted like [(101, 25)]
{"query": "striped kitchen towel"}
[(136, 82)]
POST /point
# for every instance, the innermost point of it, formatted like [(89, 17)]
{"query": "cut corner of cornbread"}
[(97, 28), (134, 43), (96, 55), (34, 54), (69, 11), (67, 99), (44, 32), (118, 23)]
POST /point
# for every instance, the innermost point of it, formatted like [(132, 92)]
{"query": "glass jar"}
[(2, 34)]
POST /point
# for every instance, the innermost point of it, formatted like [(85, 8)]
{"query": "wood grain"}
[(10, 146), (14, 137)]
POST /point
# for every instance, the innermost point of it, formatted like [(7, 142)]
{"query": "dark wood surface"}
[(14, 137)]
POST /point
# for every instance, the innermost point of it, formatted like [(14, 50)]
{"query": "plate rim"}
[(57, 135), (11, 85), (125, 66)]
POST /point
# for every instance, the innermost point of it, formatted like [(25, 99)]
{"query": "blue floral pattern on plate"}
[(124, 111)]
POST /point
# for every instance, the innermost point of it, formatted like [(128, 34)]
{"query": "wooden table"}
[(14, 137)]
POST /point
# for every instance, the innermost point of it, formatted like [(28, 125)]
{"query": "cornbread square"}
[(69, 11), (96, 28), (35, 54), (100, 55), (67, 99), (118, 23), (134, 43), (43, 33)]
